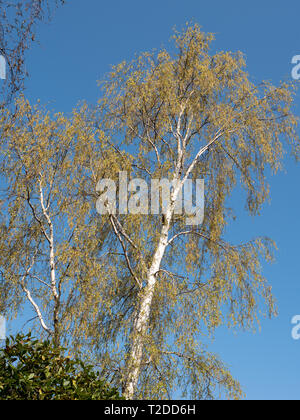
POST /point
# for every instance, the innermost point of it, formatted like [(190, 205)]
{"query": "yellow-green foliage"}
[(147, 108)]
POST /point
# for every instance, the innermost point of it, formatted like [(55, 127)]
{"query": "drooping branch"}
[(125, 251), (202, 235)]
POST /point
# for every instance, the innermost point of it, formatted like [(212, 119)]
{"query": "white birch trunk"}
[(141, 323)]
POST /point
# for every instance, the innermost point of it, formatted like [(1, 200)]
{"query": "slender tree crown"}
[(171, 109)]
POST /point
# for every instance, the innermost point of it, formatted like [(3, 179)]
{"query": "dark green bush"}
[(34, 370)]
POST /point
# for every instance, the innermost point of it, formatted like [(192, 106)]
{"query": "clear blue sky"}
[(77, 49)]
